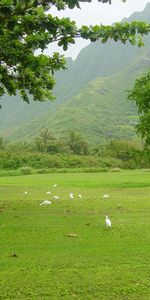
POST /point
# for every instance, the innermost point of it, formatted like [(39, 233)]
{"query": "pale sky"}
[(96, 13)]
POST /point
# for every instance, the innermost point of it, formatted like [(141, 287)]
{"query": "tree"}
[(140, 95), (57, 146), (46, 135), (122, 149), (77, 143), (26, 25), (42, 140), (47, 142)]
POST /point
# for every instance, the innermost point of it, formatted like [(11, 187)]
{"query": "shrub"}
[(26, 170), (27, 162), (115, 170)]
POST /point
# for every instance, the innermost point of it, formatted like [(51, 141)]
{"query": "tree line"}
[(45, 143)]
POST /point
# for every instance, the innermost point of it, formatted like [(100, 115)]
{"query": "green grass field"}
[(40, 261)]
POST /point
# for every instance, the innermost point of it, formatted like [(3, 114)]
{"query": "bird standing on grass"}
[(71, 195), (55, 185), (46, 202), (48, 193), (105, 196), (108, 222), (55, 197)]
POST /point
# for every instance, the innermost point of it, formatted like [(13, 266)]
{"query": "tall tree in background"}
[(77, 144), (42, 140)]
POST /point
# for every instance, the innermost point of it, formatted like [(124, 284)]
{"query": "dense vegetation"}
[(47, 153)]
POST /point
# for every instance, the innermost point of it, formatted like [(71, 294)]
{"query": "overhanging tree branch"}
[(25, 27)]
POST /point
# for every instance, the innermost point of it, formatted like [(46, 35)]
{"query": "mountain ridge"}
[(94, 102)]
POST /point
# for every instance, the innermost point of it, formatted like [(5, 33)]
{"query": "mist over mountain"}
[(90, 95)]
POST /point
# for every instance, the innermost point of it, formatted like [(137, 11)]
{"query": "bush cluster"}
[(47, 152)]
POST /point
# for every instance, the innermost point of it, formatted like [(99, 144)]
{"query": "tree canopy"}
[(140, 95), (26, 26)]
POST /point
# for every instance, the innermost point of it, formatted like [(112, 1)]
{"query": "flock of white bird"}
[(71, 196)]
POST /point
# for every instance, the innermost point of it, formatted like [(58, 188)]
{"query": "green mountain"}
[(91, 95), (100, 109)]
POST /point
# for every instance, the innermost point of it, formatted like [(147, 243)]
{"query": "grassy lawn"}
[(40, 261)]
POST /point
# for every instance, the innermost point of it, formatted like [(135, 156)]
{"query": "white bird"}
[(48, 193), (107, 222), (46, 202), (55, 197), (55, 185), (105, 196), (71, 195), (79, 196)]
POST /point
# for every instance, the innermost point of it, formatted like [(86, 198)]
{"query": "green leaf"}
[(65, 46), (6, 2), (21, 4)]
